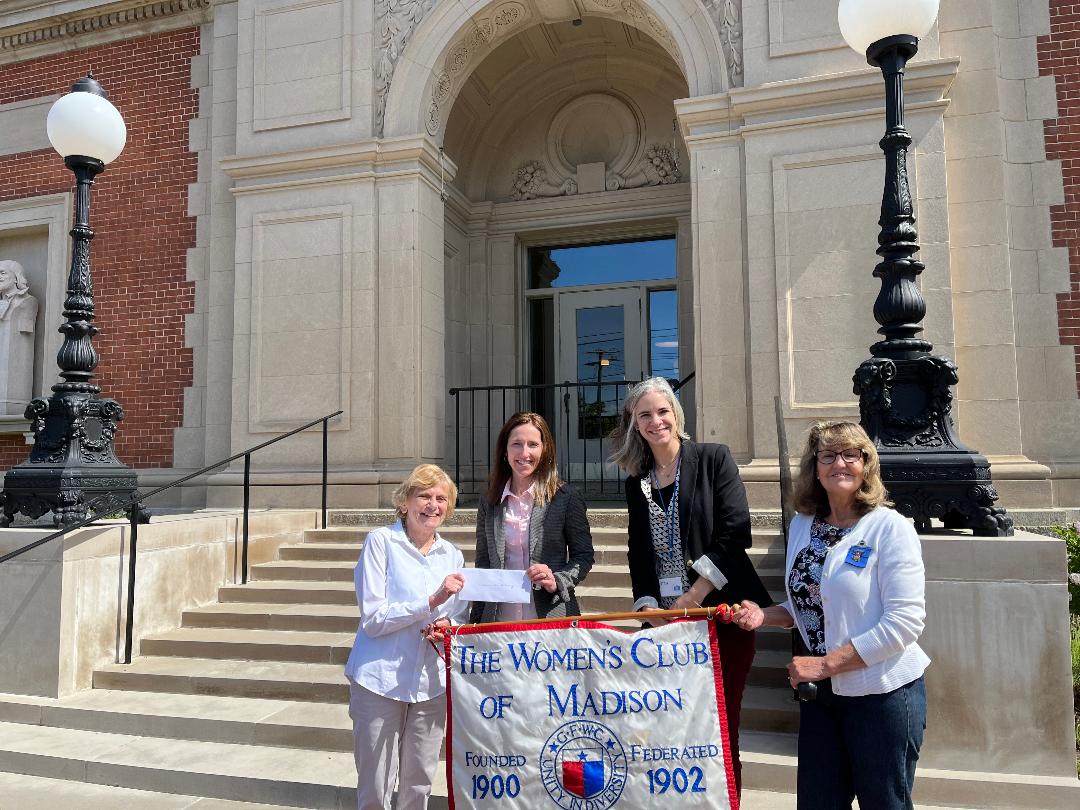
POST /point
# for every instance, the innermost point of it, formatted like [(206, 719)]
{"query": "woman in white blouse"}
[(855, 586), (407, 581)]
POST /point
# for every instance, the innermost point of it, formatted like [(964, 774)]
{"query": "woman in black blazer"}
[(689, 528), (530, 520)]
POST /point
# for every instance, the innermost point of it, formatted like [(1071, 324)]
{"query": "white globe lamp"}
[(85, 123), (865, 22)]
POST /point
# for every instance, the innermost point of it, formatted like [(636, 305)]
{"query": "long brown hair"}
[(810, 497), (546, 475)]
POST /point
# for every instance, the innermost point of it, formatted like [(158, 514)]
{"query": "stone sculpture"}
[(18, 314)]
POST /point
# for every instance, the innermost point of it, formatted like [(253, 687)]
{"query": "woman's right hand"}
[(450, 586), (748, 615)]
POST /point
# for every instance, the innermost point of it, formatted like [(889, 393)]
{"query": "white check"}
[(495, 585)]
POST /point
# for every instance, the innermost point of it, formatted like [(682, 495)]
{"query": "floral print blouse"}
[(804, 581)]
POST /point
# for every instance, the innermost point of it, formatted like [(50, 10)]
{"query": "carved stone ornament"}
[(530, 182), (727, 17), (395, 20), (486, 32), (634, 13), (93, 21), (658, 166), (18, 316)]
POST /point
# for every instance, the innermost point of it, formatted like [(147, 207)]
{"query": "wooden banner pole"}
[(639, 615)]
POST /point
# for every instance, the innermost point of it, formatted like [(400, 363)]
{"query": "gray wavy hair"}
[(629, 449)]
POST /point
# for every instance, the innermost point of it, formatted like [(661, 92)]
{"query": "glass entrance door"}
[(600, 344), (597, 314)]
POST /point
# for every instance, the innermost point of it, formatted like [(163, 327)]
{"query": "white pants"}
[(396, 743)]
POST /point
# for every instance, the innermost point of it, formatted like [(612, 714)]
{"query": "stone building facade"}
[(360, 204)]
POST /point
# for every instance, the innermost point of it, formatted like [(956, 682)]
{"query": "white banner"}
[(581, 716)]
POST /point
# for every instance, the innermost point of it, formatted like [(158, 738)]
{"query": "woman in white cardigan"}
[(855, 583)]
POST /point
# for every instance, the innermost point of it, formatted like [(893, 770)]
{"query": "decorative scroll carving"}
[(485, 32), (99, 21), (658, 166), (395, 20), (727, 17), (530, 182)]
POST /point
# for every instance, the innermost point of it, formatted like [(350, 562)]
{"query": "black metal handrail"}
[(137, 514), (595, 422)]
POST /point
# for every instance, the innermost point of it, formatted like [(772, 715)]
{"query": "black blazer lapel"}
[(688, 483), (536, 532)]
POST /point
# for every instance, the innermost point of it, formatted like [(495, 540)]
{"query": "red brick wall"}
[(1059, 55), (139, 213)]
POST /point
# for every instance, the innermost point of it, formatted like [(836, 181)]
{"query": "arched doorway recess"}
[(567, 228)]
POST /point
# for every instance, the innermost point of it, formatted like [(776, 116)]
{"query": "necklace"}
[(424, 547)]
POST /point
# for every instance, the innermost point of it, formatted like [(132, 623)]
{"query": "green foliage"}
[(1071, 535)]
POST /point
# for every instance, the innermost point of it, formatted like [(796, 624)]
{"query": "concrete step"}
[(276, 680), (251, 645), (304, 570), (290, 592), (21, 792), (292, 777), (273, 616), (769, 667), (209, 718), (769, 709)]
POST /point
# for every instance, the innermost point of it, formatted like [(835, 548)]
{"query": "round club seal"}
[(583, 764)]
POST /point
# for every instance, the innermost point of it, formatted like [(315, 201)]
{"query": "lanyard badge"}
[(859, 555)]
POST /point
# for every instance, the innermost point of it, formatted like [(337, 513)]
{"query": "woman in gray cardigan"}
[(530, 520)]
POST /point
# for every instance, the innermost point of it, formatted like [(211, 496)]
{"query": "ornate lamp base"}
[(904, 405), (72, 469)]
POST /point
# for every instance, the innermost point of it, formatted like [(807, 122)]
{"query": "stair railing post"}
[(133, 545), (325, 466), (247, 507), (457, 438)]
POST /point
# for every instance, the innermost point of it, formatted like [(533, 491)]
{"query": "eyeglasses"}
[(851, 455)]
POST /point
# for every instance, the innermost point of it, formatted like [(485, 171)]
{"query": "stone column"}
[(410, 313), (718, 275)]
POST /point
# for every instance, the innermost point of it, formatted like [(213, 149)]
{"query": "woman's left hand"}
[(540, 574), (806, 669), (685, 602)]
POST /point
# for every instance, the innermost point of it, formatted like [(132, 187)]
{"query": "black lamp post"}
[(905, 395), (72, 467)]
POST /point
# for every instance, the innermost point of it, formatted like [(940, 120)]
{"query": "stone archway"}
[(426, 50)]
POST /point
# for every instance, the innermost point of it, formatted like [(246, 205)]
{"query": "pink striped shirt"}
[(517, 511)]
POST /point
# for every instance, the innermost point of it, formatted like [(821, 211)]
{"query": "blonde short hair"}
[(810, 497), (425, 476)]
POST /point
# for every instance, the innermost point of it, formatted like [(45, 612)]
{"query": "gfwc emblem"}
[(583, 765)]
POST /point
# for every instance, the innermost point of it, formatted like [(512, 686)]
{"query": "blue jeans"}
[(863, 747)]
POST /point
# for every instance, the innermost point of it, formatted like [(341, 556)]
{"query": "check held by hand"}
[(450, 586)]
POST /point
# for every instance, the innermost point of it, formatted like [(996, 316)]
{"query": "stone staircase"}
[(246, 701)]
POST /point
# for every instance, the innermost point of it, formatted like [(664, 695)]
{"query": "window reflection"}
[(582, 265), (664, 334)]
